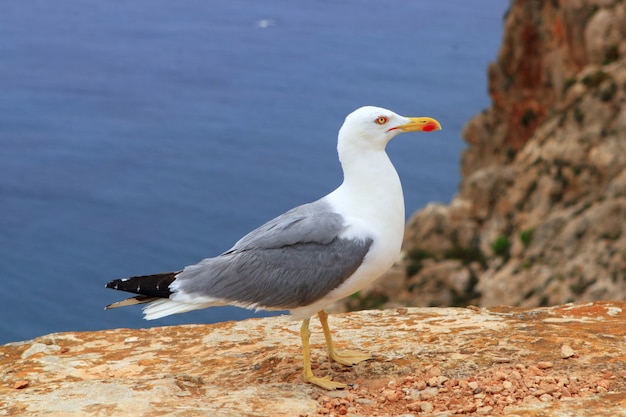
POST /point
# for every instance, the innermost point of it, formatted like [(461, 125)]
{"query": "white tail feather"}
[(165, 307)]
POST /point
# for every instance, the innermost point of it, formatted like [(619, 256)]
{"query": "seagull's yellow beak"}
[(419, 124)]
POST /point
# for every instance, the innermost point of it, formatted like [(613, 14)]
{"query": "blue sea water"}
[(141, 136)]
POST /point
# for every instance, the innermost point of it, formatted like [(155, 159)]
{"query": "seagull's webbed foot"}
[(323, 382), (346, 357)]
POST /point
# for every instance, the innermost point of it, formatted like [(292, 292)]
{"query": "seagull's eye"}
[(382, 120)]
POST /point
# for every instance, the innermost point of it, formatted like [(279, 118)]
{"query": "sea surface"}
[(141, 136)]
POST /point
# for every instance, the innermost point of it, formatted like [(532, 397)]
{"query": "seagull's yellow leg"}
[(325, 382), (346, 357)]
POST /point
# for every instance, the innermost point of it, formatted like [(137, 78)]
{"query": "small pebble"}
[(437, 380), (529, 399), (494, 389), (427, 394), (567, 352), (414, 406), (338, 394), (391, 396), (500, 375), (608, 375), (546, 398), (544, 365), (484, 410), (21, 384), (426, 407)]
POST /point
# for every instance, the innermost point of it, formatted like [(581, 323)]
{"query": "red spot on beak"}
[(429, 127)]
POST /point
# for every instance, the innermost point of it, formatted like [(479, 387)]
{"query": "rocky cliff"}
[(540, 214), (556, 361)]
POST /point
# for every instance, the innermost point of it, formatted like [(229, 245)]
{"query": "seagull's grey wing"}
[(291, 261), (313, 222)]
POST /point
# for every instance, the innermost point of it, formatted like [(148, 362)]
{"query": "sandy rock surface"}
[(559, 361)]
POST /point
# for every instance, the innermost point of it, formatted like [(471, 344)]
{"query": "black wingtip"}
[(113, 284), (156, 285)]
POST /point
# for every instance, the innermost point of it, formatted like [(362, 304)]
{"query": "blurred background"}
[(140, 137)]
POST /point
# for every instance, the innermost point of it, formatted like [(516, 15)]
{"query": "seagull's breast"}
[(373, 210), (381, 220)]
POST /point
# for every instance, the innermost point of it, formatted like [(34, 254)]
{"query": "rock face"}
[(557, 361), (540, 216)]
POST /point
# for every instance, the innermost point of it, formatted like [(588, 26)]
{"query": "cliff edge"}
[(557, 361)]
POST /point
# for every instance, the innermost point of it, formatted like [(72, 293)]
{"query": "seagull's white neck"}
[(371, 187)]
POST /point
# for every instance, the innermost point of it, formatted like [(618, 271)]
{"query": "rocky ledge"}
[(557, 361)]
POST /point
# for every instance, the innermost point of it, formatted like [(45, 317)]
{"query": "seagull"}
[(310, 256)]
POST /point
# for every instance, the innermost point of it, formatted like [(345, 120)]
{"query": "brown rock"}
[(567, 352), (426, 407), (604, 31), (539, 216), (21, 384), (234, 369), (545, 365)]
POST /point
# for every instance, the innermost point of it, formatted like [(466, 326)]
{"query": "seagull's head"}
[(373, 127)]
